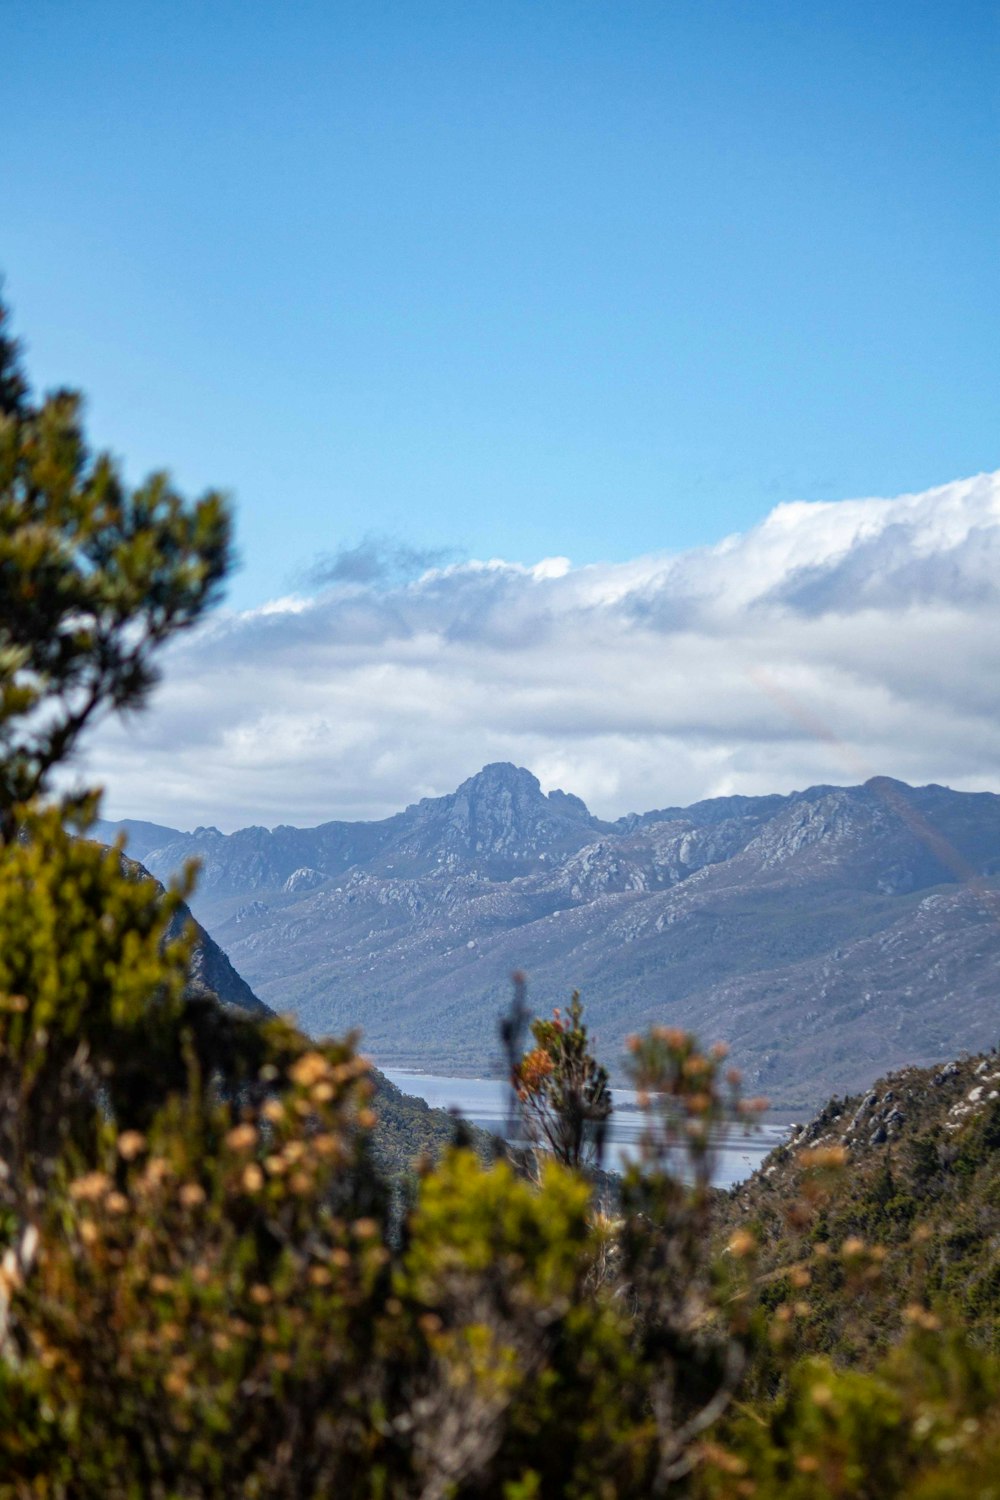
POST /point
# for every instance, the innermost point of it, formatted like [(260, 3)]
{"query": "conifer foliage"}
[(94, 577)]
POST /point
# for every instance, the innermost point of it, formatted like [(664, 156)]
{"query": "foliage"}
[(409, 1133), (563, 1090), (924, 1201), (924, 1425), (692, 1311), (94, 577)]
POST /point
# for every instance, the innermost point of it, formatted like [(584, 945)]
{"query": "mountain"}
[(827, 935), (212, 973), (140, 837), (406, 1129), (497, 824), (920, 1179)]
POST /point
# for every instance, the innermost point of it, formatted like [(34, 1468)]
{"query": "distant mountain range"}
[(828, 935)]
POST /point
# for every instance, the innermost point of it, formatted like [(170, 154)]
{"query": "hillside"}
[(899, 1185), (407, 1128), (827, 935), (211, 971)]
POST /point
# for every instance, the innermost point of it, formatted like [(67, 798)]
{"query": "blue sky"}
[(510, 280)]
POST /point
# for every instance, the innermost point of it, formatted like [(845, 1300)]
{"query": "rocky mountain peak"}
[(499, 786), (569, 802), (503, 782), (502, 813), (500, 775)]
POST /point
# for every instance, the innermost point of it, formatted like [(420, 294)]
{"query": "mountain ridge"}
[(827, 935)]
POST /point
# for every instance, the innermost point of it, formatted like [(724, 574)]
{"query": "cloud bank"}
[(832, 642)]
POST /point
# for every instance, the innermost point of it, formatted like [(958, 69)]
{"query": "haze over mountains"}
[(827, 935)]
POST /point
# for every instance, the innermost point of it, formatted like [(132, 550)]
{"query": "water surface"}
[(486, 1102)]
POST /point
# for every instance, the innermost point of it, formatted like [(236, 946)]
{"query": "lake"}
[(485, 1101)]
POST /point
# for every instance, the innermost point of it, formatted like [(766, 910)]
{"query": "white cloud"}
[(831, 642)]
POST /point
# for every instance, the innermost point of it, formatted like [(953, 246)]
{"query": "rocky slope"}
[(894, 1193), (407, 1128), (210, 972), (827, 935)]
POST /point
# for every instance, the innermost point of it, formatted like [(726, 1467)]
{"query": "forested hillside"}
[(912, 1168)]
